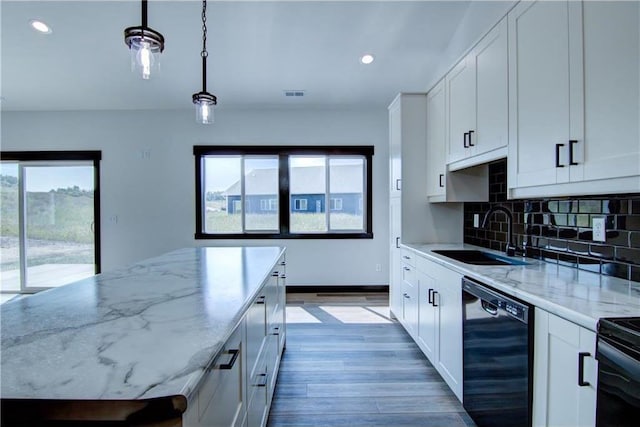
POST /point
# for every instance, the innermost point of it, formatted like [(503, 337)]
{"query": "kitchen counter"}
[(578, 296), (145, 332)]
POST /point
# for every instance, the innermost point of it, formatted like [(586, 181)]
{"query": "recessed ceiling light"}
[(366, 59), (40, 26)]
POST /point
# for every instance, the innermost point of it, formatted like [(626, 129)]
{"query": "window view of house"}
[(243, 193)]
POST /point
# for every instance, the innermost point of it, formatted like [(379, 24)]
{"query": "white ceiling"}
[(256, 49)]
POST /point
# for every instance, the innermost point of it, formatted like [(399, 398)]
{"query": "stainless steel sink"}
[(478, 257)]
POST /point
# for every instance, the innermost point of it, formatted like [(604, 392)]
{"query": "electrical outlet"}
[(476, 220), (599, 229)]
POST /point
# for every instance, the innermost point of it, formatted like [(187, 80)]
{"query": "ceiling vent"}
[(294, 93)]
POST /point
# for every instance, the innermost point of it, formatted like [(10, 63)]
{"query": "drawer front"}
[(408, 257), (256, 330), (258, 390), (220, 397)]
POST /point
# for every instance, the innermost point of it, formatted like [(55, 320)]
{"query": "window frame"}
[(284, 196)]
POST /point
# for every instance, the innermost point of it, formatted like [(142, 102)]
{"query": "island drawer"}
[(221, 399)]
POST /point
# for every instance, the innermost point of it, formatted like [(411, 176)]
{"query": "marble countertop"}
[(142, 332), (579, 296)]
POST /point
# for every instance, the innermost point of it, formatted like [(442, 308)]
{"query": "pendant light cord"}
[(204, 52)]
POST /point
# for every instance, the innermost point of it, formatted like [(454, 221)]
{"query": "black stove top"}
[(623, 329)]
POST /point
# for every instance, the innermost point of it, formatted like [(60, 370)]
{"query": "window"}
[(50, 219), (300, 204), (287, 192)]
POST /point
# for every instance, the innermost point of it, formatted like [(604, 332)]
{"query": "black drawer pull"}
[(262, 381), (276, 331), (398, 242), (260, 300), (234, 356), (275, 274), (581, 356), (398, 185), (464, 140), (440, 179), (558, 165), (406, 295), (434, 299), (283, 263), (471, 136), (571, 144), (430, 295)]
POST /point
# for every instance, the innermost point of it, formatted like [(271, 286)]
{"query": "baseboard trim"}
[(316, 289)]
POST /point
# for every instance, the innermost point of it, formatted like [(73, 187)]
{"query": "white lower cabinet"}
[(439, 333), (238, 388), (221, 398), (565, 373)]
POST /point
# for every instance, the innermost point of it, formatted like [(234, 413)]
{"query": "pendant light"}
[(203, 100), (145, 45)]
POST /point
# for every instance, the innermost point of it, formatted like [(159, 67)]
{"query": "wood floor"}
[(348, 364)]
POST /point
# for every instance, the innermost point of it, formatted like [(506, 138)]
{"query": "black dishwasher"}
[(497, 357)]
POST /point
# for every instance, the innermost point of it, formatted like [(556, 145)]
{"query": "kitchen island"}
[(130, 346)]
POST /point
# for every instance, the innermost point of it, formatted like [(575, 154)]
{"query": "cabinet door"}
[(612, 98), (461, 100), (256, 325), (395, 265), (395, 147), (436, 140), (410, 300), (428, 316), (221, 396), (544, 82), (448, 300), (559, 399), (492, 98)]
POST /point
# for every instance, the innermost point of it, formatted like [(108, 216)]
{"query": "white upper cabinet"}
[(574, 100), (468, 185), (461, 94), (436, 140), (542, 79), (611, 99), (477, 99), (395, 149)]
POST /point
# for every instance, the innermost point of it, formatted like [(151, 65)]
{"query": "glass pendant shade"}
[(204, 103), (145, 57), (145, 45)]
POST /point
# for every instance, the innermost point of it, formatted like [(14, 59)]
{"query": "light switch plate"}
[(599, 229), (476, 220)]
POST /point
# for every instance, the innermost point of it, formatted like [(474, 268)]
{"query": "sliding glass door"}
[(50, 213)]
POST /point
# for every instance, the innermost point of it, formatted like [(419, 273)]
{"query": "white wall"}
[(153, 199)]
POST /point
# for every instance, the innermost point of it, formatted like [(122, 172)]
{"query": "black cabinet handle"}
[(283, 276), (398, 242), (398, 185), (433, 303), (263, 382), (440, 179), (464, 140), (406, 295), (260, 300), (430, 296), (558, 146), (471, 136), (571, 143), (234, 356), (406, 268), (275, 274), (276, 331), (581, 356)]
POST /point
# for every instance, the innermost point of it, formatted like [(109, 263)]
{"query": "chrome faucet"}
[(510, 250)]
